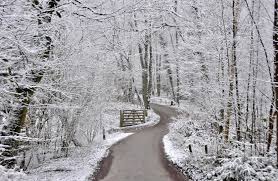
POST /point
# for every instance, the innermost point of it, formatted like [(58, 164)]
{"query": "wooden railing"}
[(132, 117)]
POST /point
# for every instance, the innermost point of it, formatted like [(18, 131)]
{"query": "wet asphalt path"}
[(140, 157)]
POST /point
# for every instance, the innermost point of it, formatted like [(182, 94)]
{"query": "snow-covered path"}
[(140, 157)]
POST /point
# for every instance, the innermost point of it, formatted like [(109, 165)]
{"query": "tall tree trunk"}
[(163, 44), (158, 76), (150, 69), (170, 75), (275, 83), (24, 94), (251, 68), (236, 11), (227, 55), (177, 60), (232, 72), (271, 110), (146, 73), (144, 77)]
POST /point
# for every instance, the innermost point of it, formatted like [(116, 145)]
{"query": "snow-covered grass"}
[(83, 162), (80, 165), (222, 162), (183, 107), (11, 174), (107, 118), (161, 100)]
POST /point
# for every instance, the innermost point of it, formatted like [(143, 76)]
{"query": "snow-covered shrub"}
[(240, 168), (10, 174), (224, 161)]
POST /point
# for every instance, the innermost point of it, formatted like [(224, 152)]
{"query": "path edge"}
[(176, 172), (105, 163)]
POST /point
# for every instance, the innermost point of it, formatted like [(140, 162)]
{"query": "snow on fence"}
[(132, 117), (161, 100)]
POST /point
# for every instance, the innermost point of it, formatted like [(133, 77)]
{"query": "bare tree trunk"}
[(275, 83), (150, 68), (144, 76), (163, 44), (177, 60), (144, 58), (170, 75), (222, 111), (232, 72), (236, 11), (145, 72), (270, 119), (158, 76), (238, 105), (24, 94), (251, 67)]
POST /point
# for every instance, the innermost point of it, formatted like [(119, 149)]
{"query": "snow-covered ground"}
[(161, 100), (151, 120), (80, 165), (83, 162), (111, 115), (193, 127), (11, 174)]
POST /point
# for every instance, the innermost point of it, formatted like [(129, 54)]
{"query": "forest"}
[(67, 68)]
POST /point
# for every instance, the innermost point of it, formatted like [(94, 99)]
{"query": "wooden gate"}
[(132, 117)]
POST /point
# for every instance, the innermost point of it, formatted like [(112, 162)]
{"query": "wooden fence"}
[(132, 117)]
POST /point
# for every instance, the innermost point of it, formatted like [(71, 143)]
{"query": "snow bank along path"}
[(140, 156), (77, 167)]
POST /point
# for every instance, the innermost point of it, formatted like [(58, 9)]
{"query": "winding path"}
[(140, 157)]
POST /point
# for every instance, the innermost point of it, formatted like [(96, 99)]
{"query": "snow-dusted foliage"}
[(56, 77), (186, 143), (227, 79), (66, 66), (82, 163), (11, 174)]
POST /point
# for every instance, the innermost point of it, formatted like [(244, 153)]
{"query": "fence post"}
[(145, 115), (121, 118), (190, 148), (103, 134)]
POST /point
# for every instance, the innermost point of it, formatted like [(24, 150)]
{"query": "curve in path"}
[(140, 157)]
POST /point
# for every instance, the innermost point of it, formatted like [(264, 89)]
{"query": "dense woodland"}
[(62, 61)]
